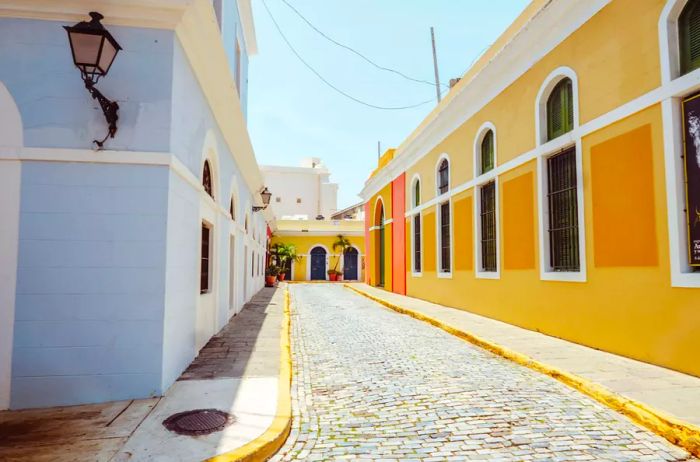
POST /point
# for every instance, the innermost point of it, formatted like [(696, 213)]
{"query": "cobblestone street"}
[(372, 384)]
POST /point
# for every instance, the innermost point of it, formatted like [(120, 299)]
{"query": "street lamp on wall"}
[(94, 50), (266, 196)]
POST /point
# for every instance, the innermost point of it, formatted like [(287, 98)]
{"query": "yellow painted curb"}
[(676, 431), (267, 444)]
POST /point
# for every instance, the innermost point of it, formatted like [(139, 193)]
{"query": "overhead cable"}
[(324, 80)]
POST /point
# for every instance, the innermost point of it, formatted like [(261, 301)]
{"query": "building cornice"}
[(550, 26), (159, 14)]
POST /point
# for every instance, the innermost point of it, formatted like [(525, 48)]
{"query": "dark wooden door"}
[(350, 264), (318, 264)]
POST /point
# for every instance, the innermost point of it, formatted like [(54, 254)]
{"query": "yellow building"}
[(314, 239), (548, 189)]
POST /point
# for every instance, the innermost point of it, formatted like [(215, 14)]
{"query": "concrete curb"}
[(676, 431), (267, 444)]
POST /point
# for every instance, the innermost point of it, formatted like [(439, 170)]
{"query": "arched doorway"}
[(379, 250), (317, 262), (350, 264)]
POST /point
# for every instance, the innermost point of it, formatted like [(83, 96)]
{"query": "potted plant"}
[(333, 275), (342, 243), (284, 255), (271, 275)]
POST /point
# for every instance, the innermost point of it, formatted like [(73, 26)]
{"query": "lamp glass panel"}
[(108, 54), (85, 47)]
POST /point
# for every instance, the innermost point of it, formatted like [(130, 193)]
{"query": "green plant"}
[(272, 270), (283, 255), (342, 243)]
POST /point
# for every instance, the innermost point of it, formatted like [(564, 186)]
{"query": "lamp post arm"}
[(109, 109)]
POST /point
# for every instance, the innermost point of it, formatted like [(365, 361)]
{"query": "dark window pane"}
[(563, 212), (445, 264), (204, 270), (443, 177), (416, 244), (206, 179), (416, 194), (489, 259)]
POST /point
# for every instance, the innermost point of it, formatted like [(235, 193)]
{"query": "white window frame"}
[(439, 200), (415, 211), (548, 149), (438, 228), (478, 271), (675, 87), (481, 179)]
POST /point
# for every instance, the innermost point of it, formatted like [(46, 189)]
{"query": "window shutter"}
[(689, 32), (487, 152), (560, 110)]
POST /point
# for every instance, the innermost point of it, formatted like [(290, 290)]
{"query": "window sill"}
[(416, 275), (686, 279), (563, 276), (488, 275), (444, 275)]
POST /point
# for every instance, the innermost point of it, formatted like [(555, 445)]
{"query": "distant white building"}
[(301, 193)]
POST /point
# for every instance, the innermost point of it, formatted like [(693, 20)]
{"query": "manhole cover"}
[(198, 422)]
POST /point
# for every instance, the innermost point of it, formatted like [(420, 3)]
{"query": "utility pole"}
[(379, 150), (437, 76)]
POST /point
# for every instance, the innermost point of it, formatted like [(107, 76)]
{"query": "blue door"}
[(318, 264), (350, 264)]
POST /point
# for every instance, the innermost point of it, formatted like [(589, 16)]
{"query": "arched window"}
[(560, 109), (444, 176), (689, 36), (232, 209), (486, 152), (206, 179), (416, 193)]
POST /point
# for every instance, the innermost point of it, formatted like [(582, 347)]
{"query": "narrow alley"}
[(372, 384)]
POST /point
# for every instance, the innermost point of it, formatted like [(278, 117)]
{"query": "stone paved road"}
[(372, 384)]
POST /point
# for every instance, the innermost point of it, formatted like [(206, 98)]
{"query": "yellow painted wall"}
[(626, 305), (304, 244)]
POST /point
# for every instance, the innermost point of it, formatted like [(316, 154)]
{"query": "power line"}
[(303, 61), (352, 50)]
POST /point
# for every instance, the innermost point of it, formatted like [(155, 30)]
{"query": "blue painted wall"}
[(108, 265), (90, 283), (57, 111)]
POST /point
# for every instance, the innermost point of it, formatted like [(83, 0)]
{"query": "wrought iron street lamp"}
[(94, 50), (266, 196)]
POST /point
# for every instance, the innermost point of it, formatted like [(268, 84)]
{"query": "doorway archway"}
[(317, 264), (380, 240)]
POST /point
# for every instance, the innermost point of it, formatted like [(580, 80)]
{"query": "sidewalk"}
[(665, 391), (237, 372)]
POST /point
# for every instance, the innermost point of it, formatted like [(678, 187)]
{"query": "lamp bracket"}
[(109, 109)]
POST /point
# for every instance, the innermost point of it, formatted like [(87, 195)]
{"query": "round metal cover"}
[(198, 422)]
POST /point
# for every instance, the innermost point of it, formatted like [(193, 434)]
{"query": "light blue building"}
[(117, 266)]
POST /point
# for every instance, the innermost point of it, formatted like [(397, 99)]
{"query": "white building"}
[(117, 266), (301, 193)]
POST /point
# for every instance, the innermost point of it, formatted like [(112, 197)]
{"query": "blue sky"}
[(292, 114)]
